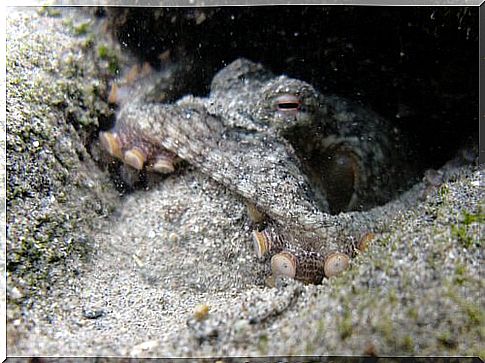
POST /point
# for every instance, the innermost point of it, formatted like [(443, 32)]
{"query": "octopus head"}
[(284, 103)]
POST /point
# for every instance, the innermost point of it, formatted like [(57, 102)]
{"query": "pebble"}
[(93, 313), (173, 237), (15, 293), (241, 325), (143, 347), (201, 311)]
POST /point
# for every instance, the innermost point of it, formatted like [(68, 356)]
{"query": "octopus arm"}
[(258, 166)]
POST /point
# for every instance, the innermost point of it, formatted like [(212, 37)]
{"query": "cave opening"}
[(415, 66)]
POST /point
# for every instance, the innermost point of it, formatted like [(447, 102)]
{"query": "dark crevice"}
[(416, 66)]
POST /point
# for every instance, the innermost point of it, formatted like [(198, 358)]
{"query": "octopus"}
[(313, 169)]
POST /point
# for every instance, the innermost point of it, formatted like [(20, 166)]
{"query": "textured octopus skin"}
[(254, 134)]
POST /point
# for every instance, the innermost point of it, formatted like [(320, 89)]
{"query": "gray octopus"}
[(298, 158)]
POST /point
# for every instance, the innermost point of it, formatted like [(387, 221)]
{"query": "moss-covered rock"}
[(56, 92)]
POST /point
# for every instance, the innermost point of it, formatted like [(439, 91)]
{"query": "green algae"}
[(107, 54), (54, 190)]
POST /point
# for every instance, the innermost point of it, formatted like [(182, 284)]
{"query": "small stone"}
[(241, 325), (15, 293), (93, 313), (144, 347), (173, 237), (201, 311), (138, 262)]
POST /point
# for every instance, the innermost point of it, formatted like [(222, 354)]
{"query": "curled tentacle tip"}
[(135, 158), (111, 143), (163, 166), (284, 264), (336, 263), (260, 243)]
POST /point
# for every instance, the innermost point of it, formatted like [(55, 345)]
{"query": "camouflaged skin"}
[(292, 152)]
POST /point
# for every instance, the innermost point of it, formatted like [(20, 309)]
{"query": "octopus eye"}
[(287, 103)]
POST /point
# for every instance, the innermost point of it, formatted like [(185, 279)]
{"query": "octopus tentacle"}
[(257, 153), (289, 259)]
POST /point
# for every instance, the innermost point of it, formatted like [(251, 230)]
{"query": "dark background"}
[(416, 66)]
